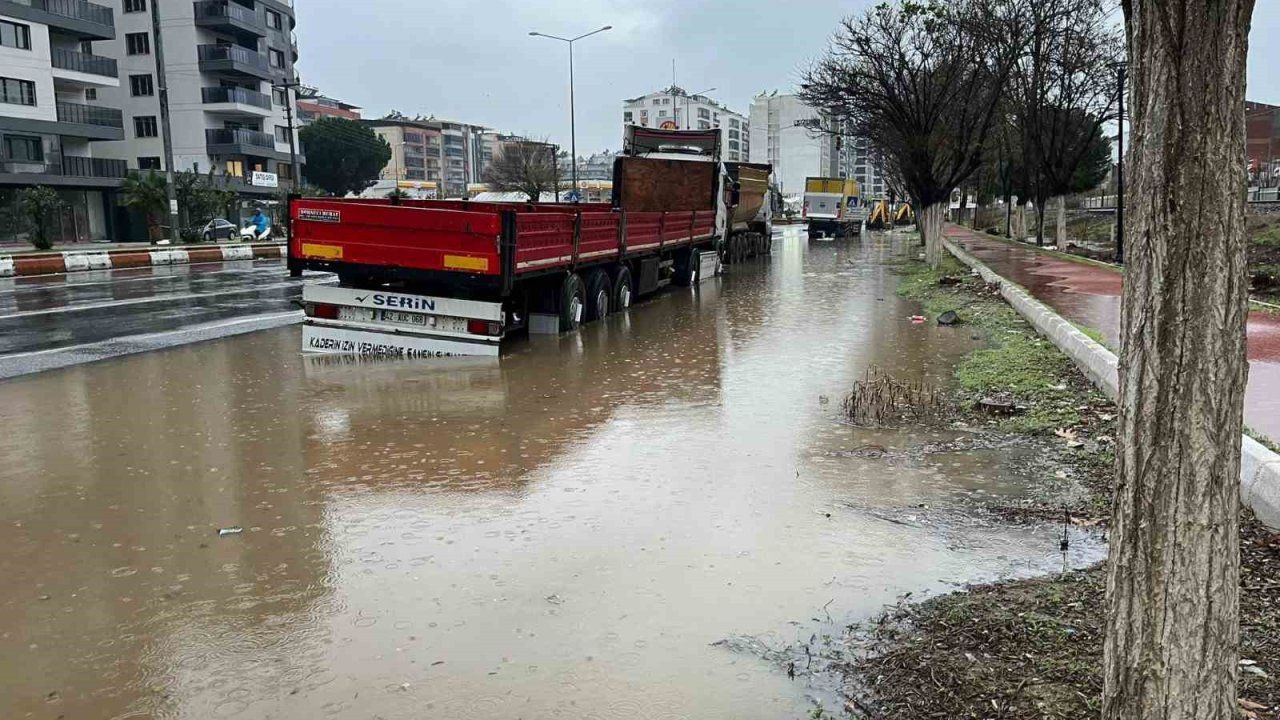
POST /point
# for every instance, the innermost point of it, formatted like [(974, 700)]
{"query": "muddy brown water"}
[(563, 533)]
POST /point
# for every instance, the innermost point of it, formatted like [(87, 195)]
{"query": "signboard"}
[(264, 179), (173, 207), (668, 125)]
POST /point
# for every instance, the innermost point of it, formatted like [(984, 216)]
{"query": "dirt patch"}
[(1033, 648)]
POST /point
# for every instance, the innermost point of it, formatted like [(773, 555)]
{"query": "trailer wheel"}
[(571, 302), (686, 271), (622, 290), (599, 294)]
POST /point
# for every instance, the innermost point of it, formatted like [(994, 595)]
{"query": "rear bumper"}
[(318, 337)]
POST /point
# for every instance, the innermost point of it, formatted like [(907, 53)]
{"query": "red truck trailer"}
[(428, 278)]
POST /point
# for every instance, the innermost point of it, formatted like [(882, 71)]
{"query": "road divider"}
[(1259, 467), (83, 260)]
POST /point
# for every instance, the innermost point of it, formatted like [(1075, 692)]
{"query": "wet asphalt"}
[(57, 320)]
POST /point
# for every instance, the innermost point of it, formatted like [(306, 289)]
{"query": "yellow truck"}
[(832, 206)]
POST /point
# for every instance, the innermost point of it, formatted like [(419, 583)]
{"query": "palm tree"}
[(147, 193)]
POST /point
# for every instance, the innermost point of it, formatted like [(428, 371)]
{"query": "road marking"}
[(165, 298), (174, 272)]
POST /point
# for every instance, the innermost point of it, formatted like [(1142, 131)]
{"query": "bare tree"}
[(525, 166), (921, 81), (1063, 92), (1172, 641)]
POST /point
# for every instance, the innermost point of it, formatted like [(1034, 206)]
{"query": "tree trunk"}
[(1062, 222), (930, 219), (1172, 639), (1040, 223)]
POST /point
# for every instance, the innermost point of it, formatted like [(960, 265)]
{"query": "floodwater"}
[(563, 533)]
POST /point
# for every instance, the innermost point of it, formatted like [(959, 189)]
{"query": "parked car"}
[(218, 228)]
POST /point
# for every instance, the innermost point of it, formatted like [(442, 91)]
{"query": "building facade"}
[(312, 105), (415, 150), (800, 143), (675, 109), (1262, 143), (53, 68)]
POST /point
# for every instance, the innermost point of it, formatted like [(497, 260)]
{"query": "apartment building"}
[(313, 105), (52, 129), (799, 142), (415, 150), (223, 61), (675, 109)]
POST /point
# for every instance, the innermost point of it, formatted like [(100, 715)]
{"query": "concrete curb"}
[(80, 260), (1259, 467)]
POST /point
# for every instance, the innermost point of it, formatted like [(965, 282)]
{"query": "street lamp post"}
[(573, 139)]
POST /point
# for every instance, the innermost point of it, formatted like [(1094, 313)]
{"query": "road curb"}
[(1259, 467), (81, 260)]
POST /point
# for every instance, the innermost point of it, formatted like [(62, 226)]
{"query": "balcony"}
[(86, 20), (83, 68), (90, 121), (239, 141), (235, 101), (233, 60), (70, 170), (229, 17)]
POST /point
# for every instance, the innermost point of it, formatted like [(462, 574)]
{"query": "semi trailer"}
[(431, 278)]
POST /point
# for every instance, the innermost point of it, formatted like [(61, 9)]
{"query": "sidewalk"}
[(1089, 294)]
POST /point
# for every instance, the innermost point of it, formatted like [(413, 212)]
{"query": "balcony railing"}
[(212, 95), (89, 115), (75, 9), (239, 136), (225, 9), (83, 62), (70, 166), (234, 53)]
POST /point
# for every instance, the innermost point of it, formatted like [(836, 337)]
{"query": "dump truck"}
[(832, 206), (433, 278)]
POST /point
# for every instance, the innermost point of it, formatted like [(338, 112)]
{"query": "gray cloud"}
[(475, 62)]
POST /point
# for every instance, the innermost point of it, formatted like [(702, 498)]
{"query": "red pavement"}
[(1089, 294)]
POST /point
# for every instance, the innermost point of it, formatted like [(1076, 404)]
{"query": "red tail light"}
[(804, 211), (325, 312), (484, 327)]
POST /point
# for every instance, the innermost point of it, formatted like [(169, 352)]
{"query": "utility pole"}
[(1120, 72), (289, 85), (573, 131), (165, 133)]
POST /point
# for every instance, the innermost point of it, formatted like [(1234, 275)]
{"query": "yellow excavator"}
[(883, 216)]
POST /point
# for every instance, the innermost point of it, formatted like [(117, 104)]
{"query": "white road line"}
[(161, 298)]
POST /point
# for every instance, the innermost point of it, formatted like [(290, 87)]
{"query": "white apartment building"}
[(51, 131), (675, 109), (221, 60), (783, 134)]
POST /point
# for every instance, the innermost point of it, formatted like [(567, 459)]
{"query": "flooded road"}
[(563, 533)]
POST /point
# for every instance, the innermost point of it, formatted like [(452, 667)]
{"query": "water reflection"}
[(563, 533)]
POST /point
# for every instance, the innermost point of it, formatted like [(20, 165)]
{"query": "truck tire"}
[(623, 290), (599, 297), (571, 302), (686, 270)]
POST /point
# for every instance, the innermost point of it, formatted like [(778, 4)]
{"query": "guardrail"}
[(64, 59), (89, 115)]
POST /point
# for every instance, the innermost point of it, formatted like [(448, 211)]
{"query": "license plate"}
[(397, 317)]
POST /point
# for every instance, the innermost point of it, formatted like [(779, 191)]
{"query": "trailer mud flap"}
[(322, 339)]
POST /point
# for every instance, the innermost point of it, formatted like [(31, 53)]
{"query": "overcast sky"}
[(475, 61)]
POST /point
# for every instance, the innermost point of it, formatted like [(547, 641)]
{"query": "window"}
[(704, 113), (141, 85), (656, 101), (91, 93), (132, 6), (151, 162), (704, 125), (17, 92), (276, 57), (413, 138), (662, 113), (733, 144), (137, 43), (279, 96), (284, 170), (734, 135), (415, 175), (282, 134), (144, 126), (733, 123), (666, 101), (15, 35), (235, 168), (273, 20), (626, 117), (23, 148)]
